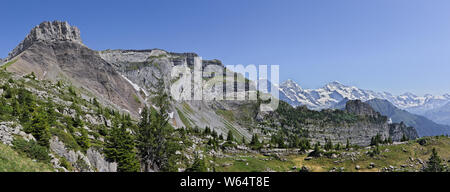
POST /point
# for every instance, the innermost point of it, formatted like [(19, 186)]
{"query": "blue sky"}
[(384, 45)]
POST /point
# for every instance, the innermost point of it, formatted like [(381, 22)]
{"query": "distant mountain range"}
[(423, 125), (335, 94)]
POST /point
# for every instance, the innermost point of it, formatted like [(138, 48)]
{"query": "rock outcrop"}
[(49, 32), (360, 108), (397, 130), (92, 161), (9, 129), (370, 124), (54, 51)]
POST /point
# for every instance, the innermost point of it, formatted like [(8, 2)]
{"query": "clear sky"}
[(383, 45)]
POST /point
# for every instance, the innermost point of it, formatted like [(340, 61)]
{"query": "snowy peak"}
[(335, 92), (335, 85), (291, 84), (325, 97)]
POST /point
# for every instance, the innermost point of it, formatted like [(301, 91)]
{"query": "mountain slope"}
[(439, 115), (424, 126)]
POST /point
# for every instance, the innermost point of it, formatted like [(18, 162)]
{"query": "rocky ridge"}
[(50, 32), (54, 51)]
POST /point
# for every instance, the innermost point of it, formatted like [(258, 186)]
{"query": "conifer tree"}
[(39, 127), (347, 146), (230, 137), (120, 148), (199, 165), (434, 164), (404, 138), (154, 135)]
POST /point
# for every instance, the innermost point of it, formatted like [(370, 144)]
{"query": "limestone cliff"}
[(49, 32)]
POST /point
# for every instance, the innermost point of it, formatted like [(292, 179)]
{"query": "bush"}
[(422, 141), (31, 149)]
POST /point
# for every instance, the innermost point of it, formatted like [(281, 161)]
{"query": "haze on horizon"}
[(384, 45)]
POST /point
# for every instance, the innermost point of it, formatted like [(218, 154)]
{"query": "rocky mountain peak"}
[(48, 32), (335, 85), (409, 95), (291, 84)]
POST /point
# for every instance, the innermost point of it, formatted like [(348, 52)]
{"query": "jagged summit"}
[(54, 51), (49, 32)]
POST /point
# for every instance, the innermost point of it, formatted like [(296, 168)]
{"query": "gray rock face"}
[(8, 130), (144, 67), (48, 31), (60, 149), (98, 161), (92, 161), (397, 130), (360, 108), (358, 134)]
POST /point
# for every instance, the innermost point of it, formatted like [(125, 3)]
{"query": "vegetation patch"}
[(6, 65), (12, 161)]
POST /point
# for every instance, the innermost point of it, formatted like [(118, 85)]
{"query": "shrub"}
[(31, 149)]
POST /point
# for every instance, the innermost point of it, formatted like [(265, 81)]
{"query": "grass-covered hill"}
[(411, 156)]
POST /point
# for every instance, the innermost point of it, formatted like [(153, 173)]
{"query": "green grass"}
[(396, 155), (252, 163), (228, 115), (11, 161), (136, 99), (6, 65), (184, 119), (187, 108)]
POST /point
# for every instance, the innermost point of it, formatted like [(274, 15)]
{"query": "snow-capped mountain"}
[(334, 92)]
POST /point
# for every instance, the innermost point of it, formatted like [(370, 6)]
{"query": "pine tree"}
[(51, 112), (83, 140), (404, 138), (120, 148), (207, 131), (347, 146), (338, 146), (328, 144), (254, 143), (155, 144), (317, 152), (39, 127), (199, 165), (214, 134), (434, 164), (230, 137)]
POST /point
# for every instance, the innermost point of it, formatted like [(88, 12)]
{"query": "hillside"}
[(12, 161), (400, 157)]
